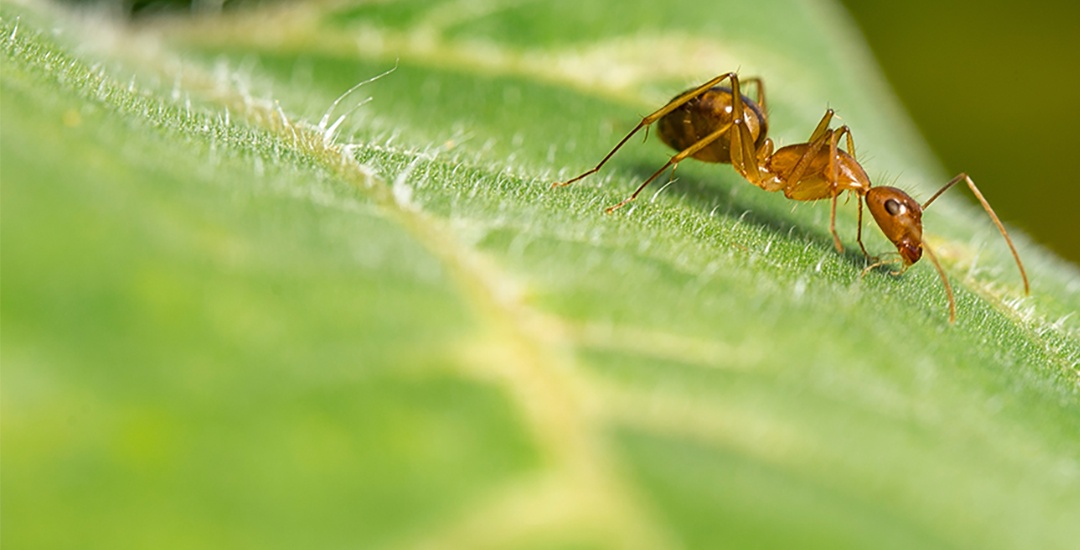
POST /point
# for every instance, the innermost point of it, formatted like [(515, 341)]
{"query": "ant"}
[(714, 123)]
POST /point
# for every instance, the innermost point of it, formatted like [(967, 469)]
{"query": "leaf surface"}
[(233, 318)]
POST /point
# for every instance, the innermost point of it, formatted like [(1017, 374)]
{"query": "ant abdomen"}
[(693, 121)]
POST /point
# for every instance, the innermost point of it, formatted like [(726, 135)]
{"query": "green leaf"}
[(231, 320)]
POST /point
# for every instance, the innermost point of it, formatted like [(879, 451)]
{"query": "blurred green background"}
[(992, 85)]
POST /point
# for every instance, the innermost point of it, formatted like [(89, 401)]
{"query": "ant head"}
[(900, 219)]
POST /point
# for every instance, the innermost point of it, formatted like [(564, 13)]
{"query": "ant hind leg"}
[(653, 117), (757, 81), (674, 162)]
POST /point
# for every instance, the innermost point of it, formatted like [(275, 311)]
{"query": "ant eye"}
[(893, 207)]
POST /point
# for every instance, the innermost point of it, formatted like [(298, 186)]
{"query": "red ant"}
[(701, 123)]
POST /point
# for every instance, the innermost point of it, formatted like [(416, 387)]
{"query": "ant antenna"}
[(986, 206)]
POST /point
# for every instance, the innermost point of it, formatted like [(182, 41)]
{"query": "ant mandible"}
[(714, 123)]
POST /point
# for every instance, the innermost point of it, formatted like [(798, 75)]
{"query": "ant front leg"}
[(858, 232), (881, 263), (904, 267), (657, 115)]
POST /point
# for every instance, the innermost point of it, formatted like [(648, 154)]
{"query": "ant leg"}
[(850, 144), (834, 176), (674, 161), (880, 263), (744, 157), (858, 233), (760, 90), (657, 115), (937, 265), (859, 230), (986, 206), (832, 223), (819, 131), (817, 140)]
